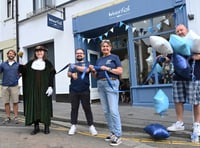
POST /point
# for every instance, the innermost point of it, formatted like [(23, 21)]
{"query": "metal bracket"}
[(56, 9)]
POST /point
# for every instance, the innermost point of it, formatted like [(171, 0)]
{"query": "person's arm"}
[(117, 70), (72, 75), (1, 69), (196, 56), (94, 72), (81, 68)]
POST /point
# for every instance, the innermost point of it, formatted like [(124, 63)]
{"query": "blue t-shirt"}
[(111, 61), (10, 73), (80, 85)]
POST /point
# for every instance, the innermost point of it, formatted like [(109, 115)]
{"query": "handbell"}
[(20, 54)]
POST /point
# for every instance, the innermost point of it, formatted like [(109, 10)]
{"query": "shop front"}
[(128, 25)]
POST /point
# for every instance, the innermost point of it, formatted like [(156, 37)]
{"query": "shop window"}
[(145, 55), (40, 5)]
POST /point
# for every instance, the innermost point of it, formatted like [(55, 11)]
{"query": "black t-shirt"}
[(80, 84)]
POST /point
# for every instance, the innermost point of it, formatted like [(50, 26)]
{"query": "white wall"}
[(8, 25), (193, 8), (35, 30)]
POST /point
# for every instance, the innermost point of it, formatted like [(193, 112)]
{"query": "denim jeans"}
[(109, 100)]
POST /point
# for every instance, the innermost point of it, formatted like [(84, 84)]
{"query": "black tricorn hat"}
[(37, 48)]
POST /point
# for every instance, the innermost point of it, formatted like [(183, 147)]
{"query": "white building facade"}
[(32, 29)]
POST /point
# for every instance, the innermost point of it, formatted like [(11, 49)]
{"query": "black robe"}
[(37, 105)]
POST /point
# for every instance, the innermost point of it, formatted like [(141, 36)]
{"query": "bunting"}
[(88, 40), (149, 29)]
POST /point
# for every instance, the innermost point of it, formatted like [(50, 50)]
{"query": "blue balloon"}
[(180, 45), (161, 102), (181, 66), (157, 131)]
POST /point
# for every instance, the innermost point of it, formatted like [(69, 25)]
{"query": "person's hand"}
[(196, 57), (91, 67), (106, 68), (49, 91), (75, 75), (72, 66)]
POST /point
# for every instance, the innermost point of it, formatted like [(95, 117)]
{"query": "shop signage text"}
[(55, 22), (120, 12)]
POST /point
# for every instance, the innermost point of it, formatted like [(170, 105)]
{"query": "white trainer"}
[(196, 128), (178, 126), (93, 130), (72, 130)]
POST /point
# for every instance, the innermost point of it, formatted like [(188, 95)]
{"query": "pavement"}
[(133, 118)]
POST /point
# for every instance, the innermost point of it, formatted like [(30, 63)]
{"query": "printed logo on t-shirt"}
[(108, 62)]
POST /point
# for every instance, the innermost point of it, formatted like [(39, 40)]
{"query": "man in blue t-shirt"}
[(80, 92), (10, 88), (186, 90)]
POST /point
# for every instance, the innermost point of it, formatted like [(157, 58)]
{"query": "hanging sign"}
[(55, 22)]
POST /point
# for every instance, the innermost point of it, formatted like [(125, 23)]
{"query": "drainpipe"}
[(17, 25)]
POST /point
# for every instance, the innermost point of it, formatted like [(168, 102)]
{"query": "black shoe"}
[(36, 129), (46, 129)]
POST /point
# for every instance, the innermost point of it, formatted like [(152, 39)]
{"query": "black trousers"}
[(84, 99)]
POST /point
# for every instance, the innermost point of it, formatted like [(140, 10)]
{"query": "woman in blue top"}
[(110, 64)]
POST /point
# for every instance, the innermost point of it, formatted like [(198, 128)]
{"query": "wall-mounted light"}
[(191, 16)]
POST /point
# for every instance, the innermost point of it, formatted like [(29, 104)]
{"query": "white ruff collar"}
[(38, 64)]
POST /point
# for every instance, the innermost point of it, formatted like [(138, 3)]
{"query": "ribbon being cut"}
[(97, 68), (72, 65)]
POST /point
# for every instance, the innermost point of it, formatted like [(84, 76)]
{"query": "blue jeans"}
[(109, 100)]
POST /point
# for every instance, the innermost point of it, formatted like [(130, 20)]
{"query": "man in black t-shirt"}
[(80, 92)]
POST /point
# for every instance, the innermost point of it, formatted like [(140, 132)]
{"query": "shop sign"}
[(125, 10), (55, 22)]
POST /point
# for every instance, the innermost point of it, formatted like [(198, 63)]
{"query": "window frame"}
[(40, 5)]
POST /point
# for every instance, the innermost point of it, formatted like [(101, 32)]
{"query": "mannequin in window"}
[(125, 83), (149, 61)]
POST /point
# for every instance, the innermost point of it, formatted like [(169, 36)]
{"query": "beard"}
[(11, 57), (79, 59)]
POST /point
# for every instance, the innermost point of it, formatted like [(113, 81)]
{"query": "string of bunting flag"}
[(119, 24), (150, 29)]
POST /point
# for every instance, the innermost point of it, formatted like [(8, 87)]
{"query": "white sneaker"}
[(93, 130), (72, 130), (196, 128), (178, 126)]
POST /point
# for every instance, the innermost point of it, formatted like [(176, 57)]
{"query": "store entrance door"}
[(92, 58)]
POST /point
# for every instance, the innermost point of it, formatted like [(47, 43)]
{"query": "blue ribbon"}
[(151, 72), (160, 59), (72, 67), (110, 84), (98, 68), (63, 68), (84, 72), (108, 80)]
